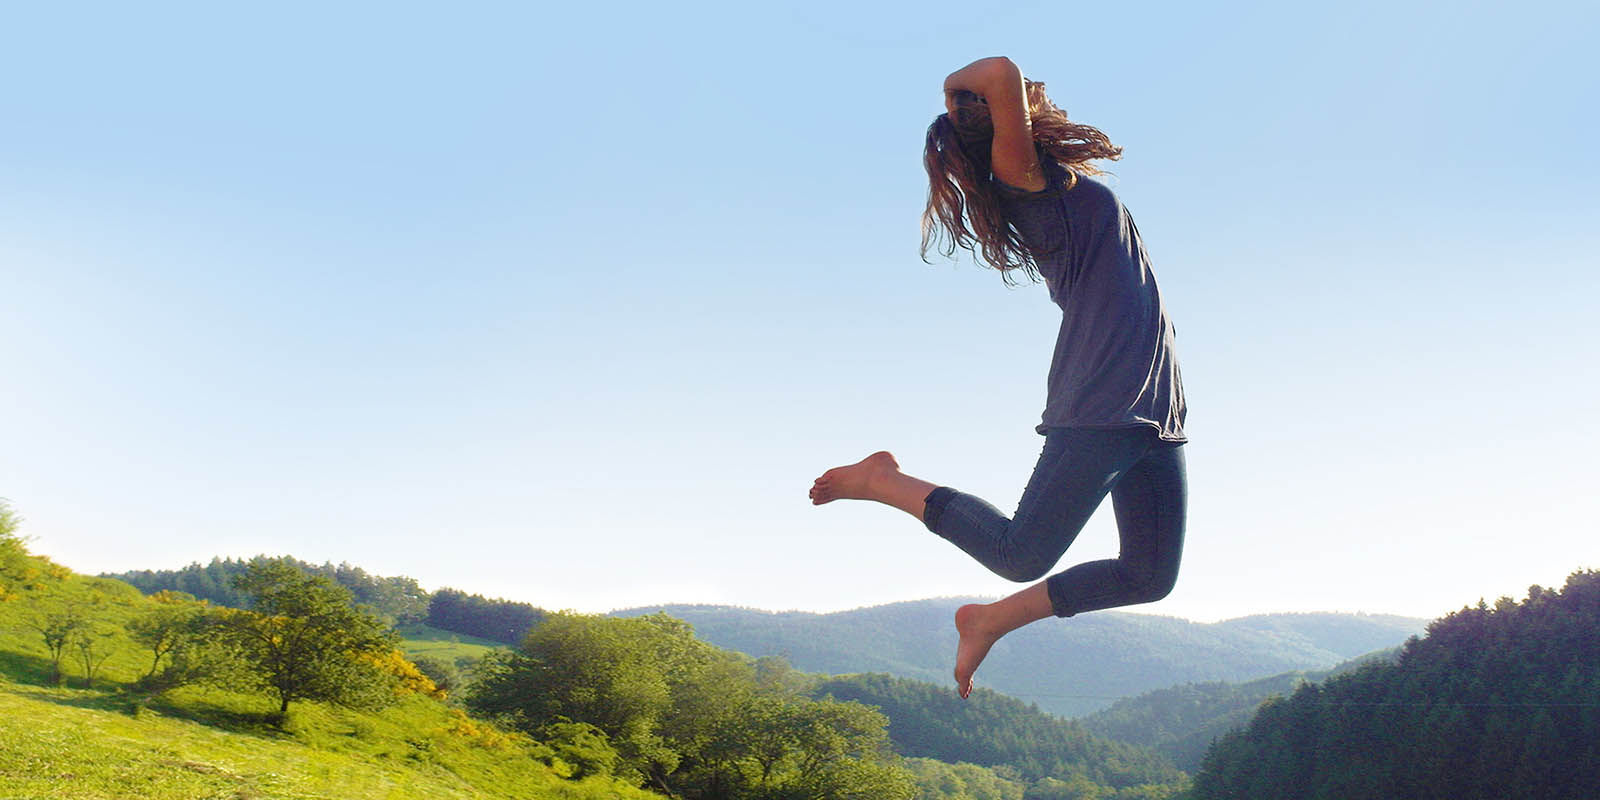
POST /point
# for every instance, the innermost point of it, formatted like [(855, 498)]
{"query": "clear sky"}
[(568, 303)]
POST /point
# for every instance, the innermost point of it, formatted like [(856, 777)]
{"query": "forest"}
[(1495, 701)]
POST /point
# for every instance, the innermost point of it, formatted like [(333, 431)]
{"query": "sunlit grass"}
[(111, 741)]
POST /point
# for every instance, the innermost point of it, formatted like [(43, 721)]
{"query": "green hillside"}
[(1181, 722), (72, 743), (110, 738), (992, 730), (1069, 667), (1494, 702)]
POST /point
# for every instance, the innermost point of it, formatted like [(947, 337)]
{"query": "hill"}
[(1181, 722), (103, 736), (993, 730), (1069, 667), (1494, 702)]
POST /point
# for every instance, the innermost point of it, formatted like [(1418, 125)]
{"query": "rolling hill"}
[(1069, 667)]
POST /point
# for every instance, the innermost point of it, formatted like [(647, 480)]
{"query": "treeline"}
[(302, 639), (397, 600), (1494, 702), (1050, 756), (475, 615)]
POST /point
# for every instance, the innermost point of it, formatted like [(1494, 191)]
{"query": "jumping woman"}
[(1009, 182)]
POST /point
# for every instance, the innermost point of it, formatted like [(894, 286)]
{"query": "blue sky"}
[(570, 306)]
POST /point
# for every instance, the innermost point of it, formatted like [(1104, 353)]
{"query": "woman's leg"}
[(1151, 505), (1076, 469)]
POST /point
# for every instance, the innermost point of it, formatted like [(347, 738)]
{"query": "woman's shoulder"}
[(1057, 179)]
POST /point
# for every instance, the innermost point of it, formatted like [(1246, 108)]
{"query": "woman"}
[(1009, 183)]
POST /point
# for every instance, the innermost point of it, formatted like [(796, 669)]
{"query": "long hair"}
[(963, 209)]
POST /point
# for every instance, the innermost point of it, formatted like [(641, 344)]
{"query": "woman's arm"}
[(999, 83)]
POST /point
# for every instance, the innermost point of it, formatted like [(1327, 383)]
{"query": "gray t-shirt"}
[(1115, 365)]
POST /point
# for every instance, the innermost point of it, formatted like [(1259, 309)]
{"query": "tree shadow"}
[(25, 668), (133, 702)]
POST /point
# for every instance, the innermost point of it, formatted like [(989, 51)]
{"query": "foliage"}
[(408, 678), (937, 780), (12, 552), (1181, 722), (303, 640), (991, 730), (58, 623), (687, 718), (396, 600), (443, 674), (503, 621), (1493, 702)]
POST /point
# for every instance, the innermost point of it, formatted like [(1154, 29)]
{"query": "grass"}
[(111, 742), (58, 743), (455, 648)]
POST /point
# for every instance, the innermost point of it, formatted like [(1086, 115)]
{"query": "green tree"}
[(686, 718), (444, 674), (58, 622), (613, 674), (92, 644), (13, 553), (165, 626), (303, 640)]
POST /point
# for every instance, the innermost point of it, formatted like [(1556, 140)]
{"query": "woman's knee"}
[(1025, 573), (1154, 584)]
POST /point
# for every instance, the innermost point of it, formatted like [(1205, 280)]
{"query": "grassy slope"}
[(105, 743), (456, 648), (66, 744)]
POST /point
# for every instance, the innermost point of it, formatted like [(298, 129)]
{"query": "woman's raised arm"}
[(999, 82)]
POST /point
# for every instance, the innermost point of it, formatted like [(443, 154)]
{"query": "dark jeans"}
[(1079, 466)]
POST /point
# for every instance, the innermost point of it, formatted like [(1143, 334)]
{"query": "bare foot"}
[(976, 639), (854, 482)]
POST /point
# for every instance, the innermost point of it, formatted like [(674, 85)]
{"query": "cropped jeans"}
[(1077, 469)]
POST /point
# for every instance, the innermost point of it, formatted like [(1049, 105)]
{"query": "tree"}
[(12, 551), (302, 639), (686, 718), (444, 674), (92, 645), (165, 626), (59, 625), (609, 673)]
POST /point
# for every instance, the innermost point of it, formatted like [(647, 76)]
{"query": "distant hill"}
[(1069, 667), (1500, 701), (1181, 722), (993, 730)]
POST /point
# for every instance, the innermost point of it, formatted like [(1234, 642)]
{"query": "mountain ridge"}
[(1071, 667)]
